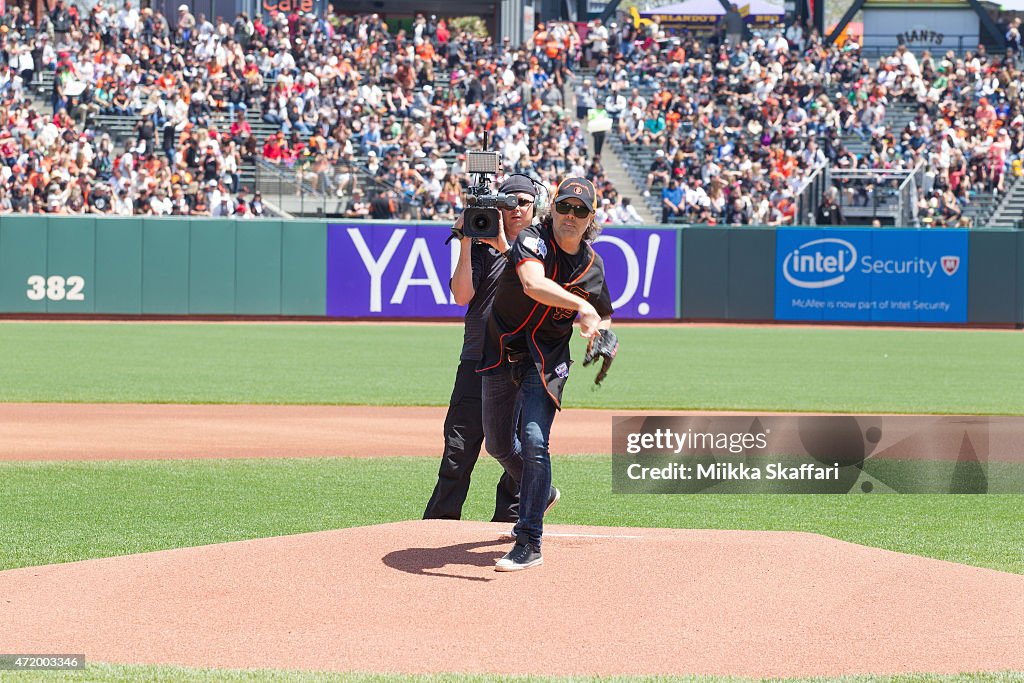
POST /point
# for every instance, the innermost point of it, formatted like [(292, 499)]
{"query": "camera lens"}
[(480, 222)]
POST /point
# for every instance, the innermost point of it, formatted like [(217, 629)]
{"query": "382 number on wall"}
[(56, 288)]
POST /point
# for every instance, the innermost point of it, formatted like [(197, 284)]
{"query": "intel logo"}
[(819, 263)]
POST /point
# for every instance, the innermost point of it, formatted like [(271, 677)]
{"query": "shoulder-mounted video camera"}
[(480, 219)]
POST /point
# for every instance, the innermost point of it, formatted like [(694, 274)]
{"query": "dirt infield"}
[(61, 431), (420, 597)]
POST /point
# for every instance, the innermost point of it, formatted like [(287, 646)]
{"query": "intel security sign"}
[(883, 275)]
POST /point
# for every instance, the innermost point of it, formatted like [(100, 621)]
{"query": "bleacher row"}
[(898, 115), (636, 159), (984, 208), (256, 174)]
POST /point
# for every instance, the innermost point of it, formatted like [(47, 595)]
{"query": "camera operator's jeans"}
[(524, 455)]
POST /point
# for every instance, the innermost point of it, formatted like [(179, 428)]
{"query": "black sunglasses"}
[(565, 207), (524, 202)]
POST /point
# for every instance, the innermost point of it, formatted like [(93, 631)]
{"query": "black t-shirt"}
[(382, 209), (100, 201), (518, 323), (488, 265), (829, 214), (210, 167)]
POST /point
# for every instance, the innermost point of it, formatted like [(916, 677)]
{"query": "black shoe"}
[(553, 498), (522, 556)]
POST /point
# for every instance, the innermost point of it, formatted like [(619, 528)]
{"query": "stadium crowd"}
[(740, 128), (339, 92), (382, 118)]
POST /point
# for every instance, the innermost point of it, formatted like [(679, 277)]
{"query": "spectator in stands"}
[(672, 205), (256, 207), (586, 98), (598, 125), (386, 206), (626, 213), (357, 206), (829, 212), (1013, 39), (739, 211), (658, 172)]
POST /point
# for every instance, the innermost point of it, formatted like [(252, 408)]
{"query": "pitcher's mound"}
[(422, 597)]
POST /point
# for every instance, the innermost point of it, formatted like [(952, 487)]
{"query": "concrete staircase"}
[(897, 116), (616, 172), (619, 168), (1010, 210), (983, 205)]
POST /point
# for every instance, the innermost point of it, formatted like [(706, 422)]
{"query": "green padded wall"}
[(211, 267), (258, 268), (165, 254), (71, 257), (22, 255), (304, 268), (117, 285)]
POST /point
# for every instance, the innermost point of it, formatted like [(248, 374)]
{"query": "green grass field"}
[(727, 368), (59, 512)]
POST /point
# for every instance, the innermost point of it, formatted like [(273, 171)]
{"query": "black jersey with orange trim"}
[(519, 324)]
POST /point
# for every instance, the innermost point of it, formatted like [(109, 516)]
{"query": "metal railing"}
[(890, 196), (810, 197), (302, 192)]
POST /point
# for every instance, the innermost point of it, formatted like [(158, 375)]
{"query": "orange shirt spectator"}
[(552, 48), (166, 81), (426, 51)]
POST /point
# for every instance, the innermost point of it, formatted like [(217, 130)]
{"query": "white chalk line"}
[(561, 535)]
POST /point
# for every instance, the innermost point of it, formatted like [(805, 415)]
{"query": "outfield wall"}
[(180, 267)]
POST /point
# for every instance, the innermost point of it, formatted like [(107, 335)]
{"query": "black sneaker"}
[(553, 498), (522, 556)]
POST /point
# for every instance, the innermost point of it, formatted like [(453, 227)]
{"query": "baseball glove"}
[(605, 345)]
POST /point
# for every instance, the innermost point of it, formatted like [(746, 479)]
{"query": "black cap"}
[(577, 188), (518, 183)]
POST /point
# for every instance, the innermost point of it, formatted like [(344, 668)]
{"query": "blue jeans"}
[(517, 388)]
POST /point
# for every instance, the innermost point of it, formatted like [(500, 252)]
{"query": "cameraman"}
[(474, 282)]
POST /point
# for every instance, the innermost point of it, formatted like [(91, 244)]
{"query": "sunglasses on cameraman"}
[(523, 202), (565, 207)]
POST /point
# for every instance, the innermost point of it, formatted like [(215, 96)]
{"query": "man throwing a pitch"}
[(554, 276)]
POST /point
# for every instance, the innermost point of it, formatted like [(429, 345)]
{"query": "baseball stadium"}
[(531, 341)]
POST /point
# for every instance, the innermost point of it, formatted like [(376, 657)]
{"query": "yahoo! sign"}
[(402, 271)]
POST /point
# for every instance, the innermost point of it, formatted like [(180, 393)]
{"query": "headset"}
[(540, 204)]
